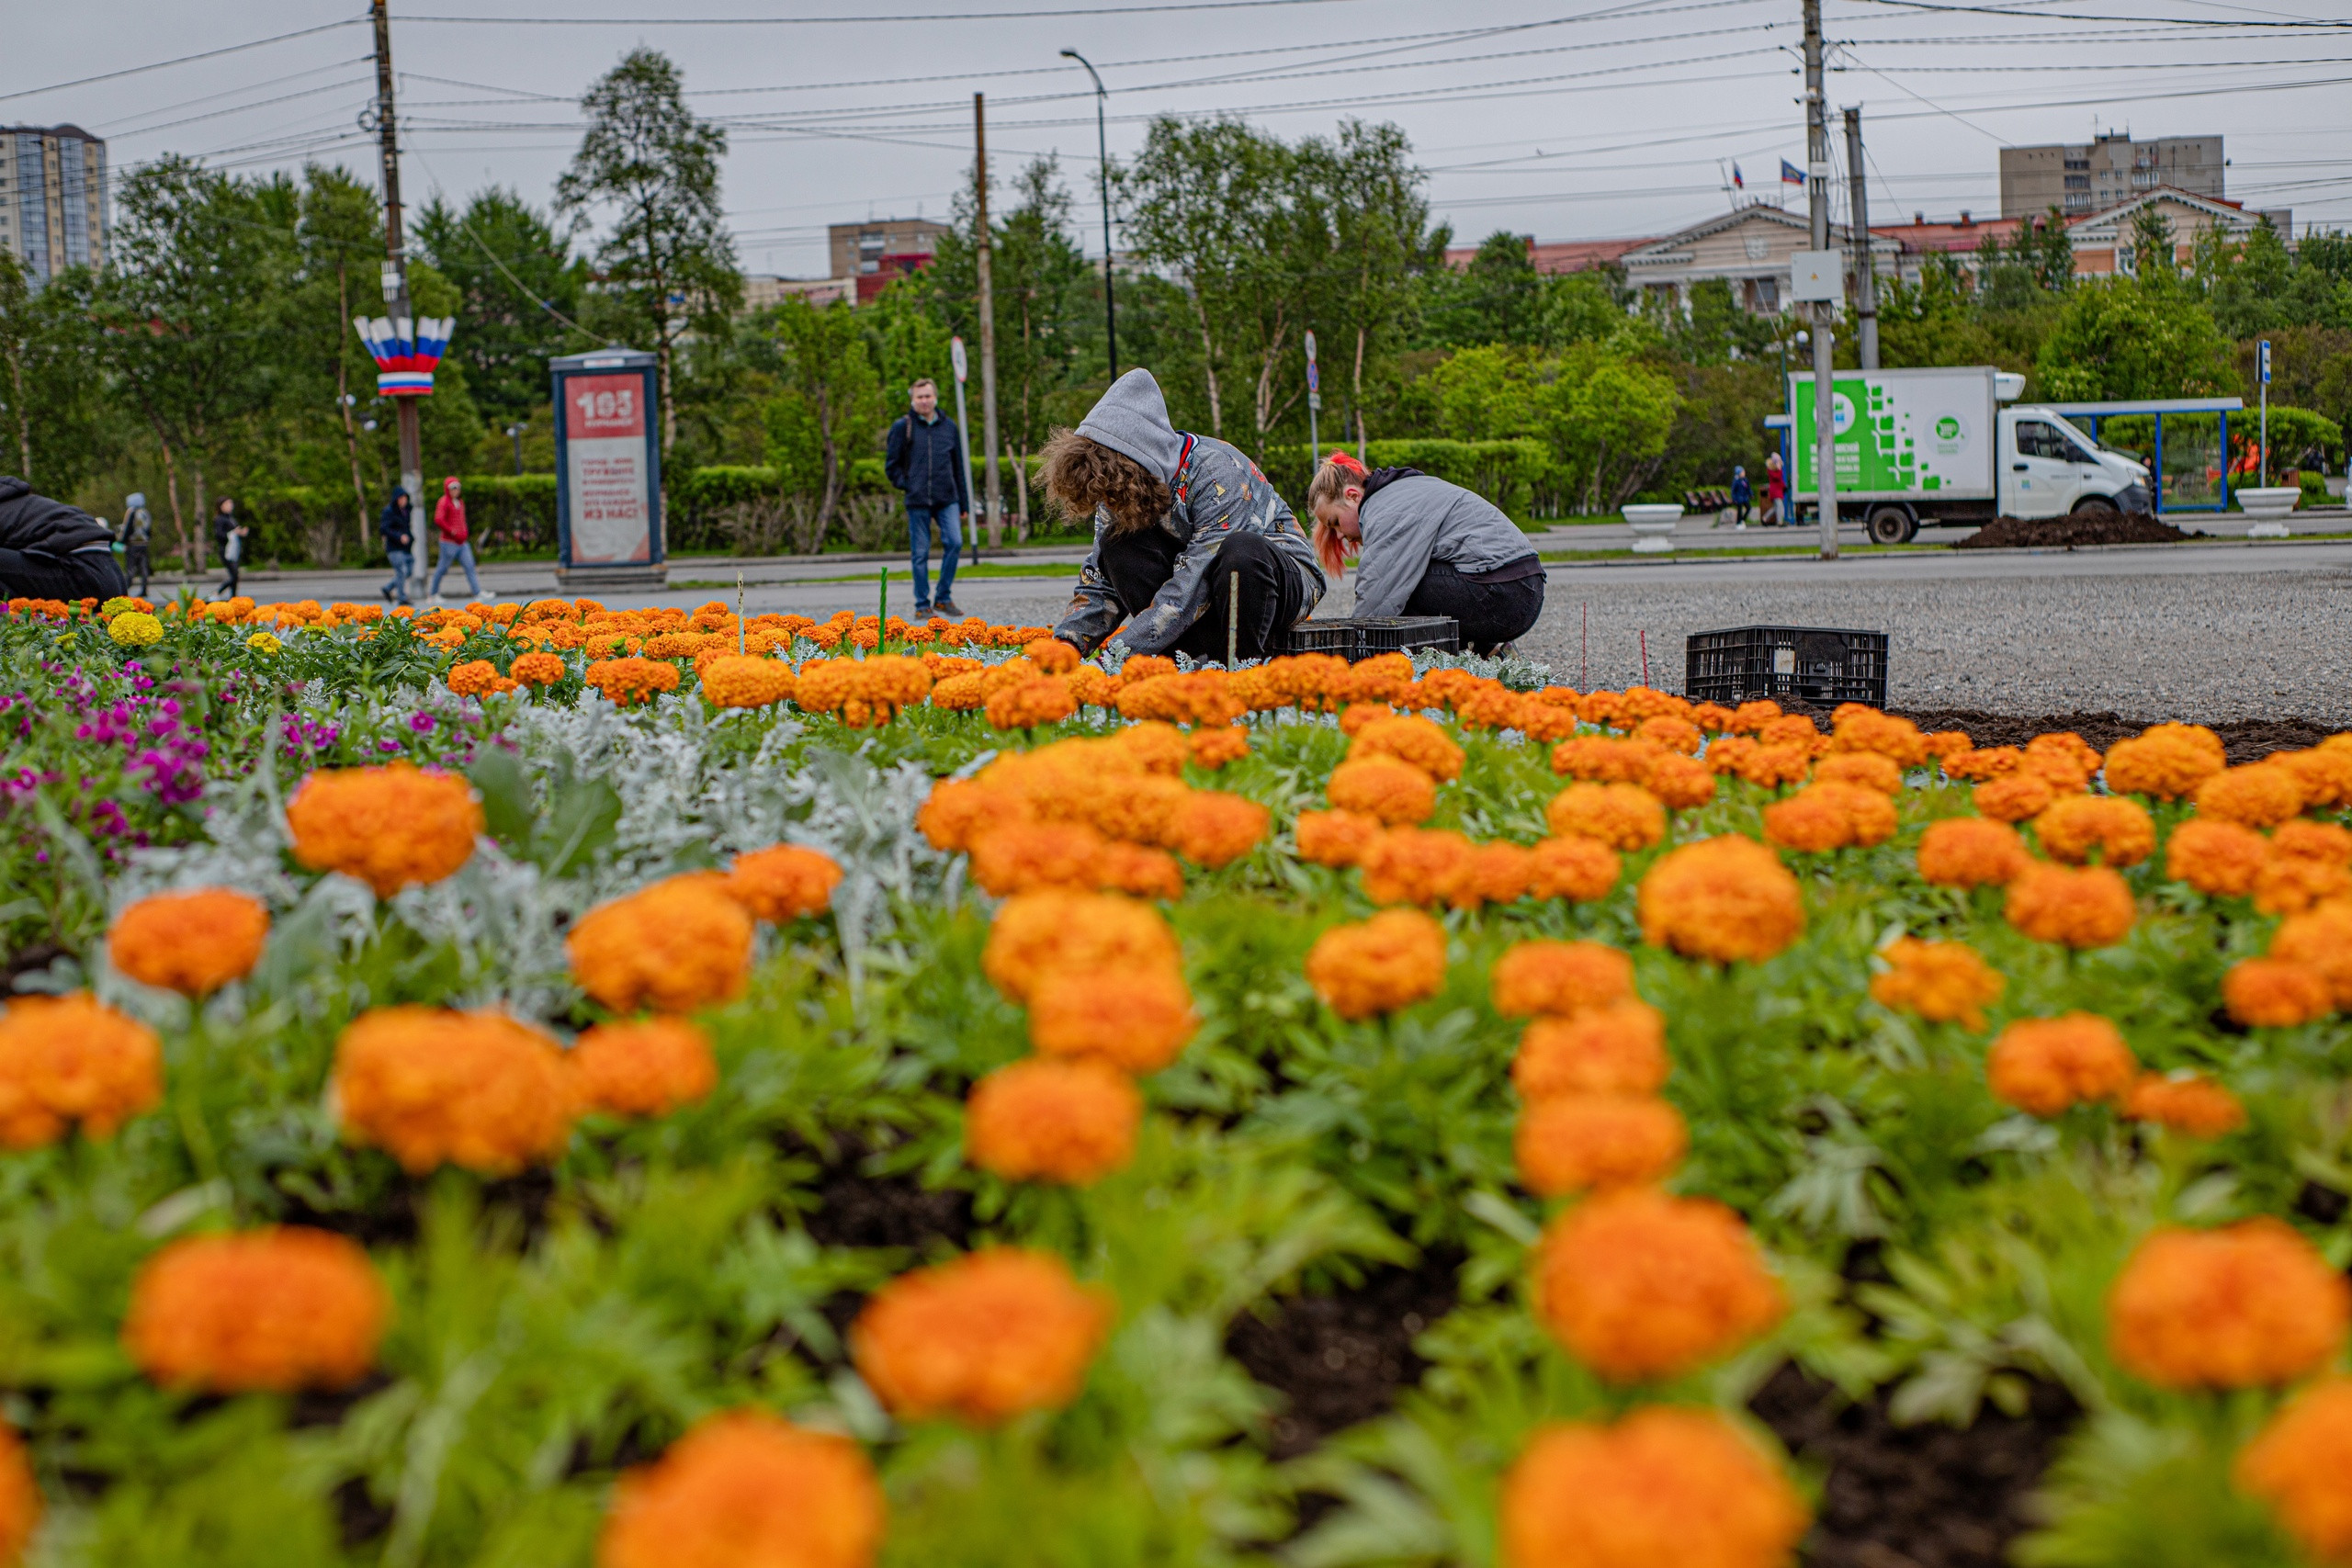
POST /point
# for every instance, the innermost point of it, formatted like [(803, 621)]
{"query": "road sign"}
[(1315, 401), (955, 355), (2262, 361), (1310, 348)]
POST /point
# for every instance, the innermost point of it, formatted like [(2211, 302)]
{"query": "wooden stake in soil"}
[(740, 638), (1232, 619)]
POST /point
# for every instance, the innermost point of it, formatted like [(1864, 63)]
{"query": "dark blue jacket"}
[(1739, 489), (927, 462), (397, 522)]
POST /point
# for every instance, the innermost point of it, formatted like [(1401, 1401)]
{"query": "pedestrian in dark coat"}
[(925, 457), (51, 550), (399, 529), (230, 535)]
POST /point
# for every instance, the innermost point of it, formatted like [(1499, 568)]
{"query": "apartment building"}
[(2080, 178), (52, 198)]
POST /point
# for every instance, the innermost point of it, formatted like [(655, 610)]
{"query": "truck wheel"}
[(1891, 525), (2097, 508)]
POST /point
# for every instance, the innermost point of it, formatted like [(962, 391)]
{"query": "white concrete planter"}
[(1653, 528), (2267, 509)]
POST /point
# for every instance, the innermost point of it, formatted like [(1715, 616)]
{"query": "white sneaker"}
[(487, 596), (436, 602)]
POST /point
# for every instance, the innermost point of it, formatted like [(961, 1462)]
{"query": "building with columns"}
[(52, 198)]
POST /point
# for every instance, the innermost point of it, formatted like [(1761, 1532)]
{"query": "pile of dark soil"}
[(2245, 739), (2103, 527), (1342, 1358)]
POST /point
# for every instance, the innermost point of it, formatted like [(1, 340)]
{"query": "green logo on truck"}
[(1948, 428)]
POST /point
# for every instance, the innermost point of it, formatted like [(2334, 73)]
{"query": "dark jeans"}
[(920, 520), (234, 568), (1273, 595), (1489, 613), (402, 563), (35, 574)]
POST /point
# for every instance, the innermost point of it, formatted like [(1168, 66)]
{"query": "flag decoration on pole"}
[(406, 351), (1790, 174), (1738, 182)]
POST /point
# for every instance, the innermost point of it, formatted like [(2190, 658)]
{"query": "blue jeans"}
[(951, 546), (456, 555), (401, 561)]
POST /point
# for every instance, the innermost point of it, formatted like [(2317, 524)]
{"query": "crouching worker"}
[(1181, 523), (1427, 547), (51, 550)]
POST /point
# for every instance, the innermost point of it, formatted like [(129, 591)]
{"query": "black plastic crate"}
[(1354, 639), (1818, 664)]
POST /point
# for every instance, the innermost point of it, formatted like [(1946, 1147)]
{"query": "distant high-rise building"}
[(881, 251), (52, 198), (2080, 178)]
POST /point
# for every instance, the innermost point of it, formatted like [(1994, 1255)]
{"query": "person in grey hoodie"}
[(1182, 522), (134, 538), (1427, 547)]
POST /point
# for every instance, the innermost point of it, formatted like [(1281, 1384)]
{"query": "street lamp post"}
[(1103, 164), (515, 433)]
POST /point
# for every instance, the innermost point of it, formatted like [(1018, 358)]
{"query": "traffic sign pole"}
[(1314, 405), (964, 436), (2262, 359)]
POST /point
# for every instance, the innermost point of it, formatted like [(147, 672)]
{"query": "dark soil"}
[(2245, 739), (1923, 1496), (857, 1210), (1342, 1358), (2101, 527)]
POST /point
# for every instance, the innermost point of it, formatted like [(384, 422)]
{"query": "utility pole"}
[(991, 515), (1865, 261), (1816, 184), (396, 300), (1103, 162)]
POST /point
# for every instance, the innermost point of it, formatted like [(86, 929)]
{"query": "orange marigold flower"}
[(1415, 865), (982, 1338), (1624, 817), (1022, 857), (19, 1497), (432, 1087), (388, 826), (2165, 761), (2297, 1464), (1638, 1285), (2249, 1305), (1386, 788), (1713, 717), (1680, 783), (2320, 938), (1861, 728), (2303, 839), (474, 677), (1576, 869), (677, 945), (2188, 1103), (2090, 907), (1412, 739), (1983, 763), (2044, 1065), (746, 1487), (782, 883), (1948, 743), (1721, 899), (1214, 748), (1031, 703), (1944, 982), (1156, 747), (2260, 794), (1203, 697), (1335, 838), (1560, 977), (537, 669), (1572, 1141), (2324, 772), (1356, 716), (2074, 827), (642, 1067), (1869, 770), (1605, 759), (1053, 657), (190, 942), (1497, 873), (2289, 884), (1214, 829), (744, 681), (1053, 1118), (1147, 666), (1791, 730), (1824, 816), (1140, 872), (1972, 852), (2219, 858), (1619, 1048), (1670, 733), (1668, 1485), (73, 1059), (1136, 1020), (1391, 960), (958, 810), (626, 682), (1039, 934), (2276, 993), (2013, 797), (1769, 767), (274, 1309)]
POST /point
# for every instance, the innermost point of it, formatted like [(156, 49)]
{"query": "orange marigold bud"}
[(2297, 1464), (1869, 770), (190, 942), (679, 944), (73, 1059), (782, 883), (747, 1487), (2249, 1305), (626, 681), (1944, 982), (1624, 817), (982, 1338), (1039, 934), (2188, 1104), (1638, 1285), (1576, 869), (1560, 977), (2015, 797), (1972, 852), (1824, 816), (1391, 960), (19, 1497), (1214, 748), (2320, 938), (388, 826), (2222, 859), (1214, 829), (1569, 1143), (432, 1087), (1616, 1049), (1335, 838), (1415, 865), (643, 1067), (1412, 739), (1667, 1485), (2090, 907), (2074, 827), (1721, 898), (1393, 791), (1053, 1118), (273, 1310), (2044, 1065), (2276, 993), (537, 669), (1137, 1019), (2166, 763), (2261, 794)]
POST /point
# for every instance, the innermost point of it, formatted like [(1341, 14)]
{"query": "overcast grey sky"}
[(1563, 118)]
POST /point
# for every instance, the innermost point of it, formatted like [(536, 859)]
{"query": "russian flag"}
[(1737, 181)]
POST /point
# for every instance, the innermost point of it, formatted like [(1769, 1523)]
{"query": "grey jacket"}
[(1218, 490), (1414, 520)]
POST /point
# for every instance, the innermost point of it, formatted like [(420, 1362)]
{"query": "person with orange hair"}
[(1426, 547)]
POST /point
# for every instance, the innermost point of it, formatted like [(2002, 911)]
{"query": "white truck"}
[(1926, 446)]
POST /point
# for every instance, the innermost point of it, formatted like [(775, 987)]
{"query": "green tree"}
[(668, 264), (1496, 298), (519, 289), (2155, 255), (54, 423), (2126, 337), (829, 411), (338, 237)]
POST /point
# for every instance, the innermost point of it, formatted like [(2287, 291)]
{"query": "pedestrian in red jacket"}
[(449, 522)]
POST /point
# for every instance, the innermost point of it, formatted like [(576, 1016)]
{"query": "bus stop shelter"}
[(2184, 441)]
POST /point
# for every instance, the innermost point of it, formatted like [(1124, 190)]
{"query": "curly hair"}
[(1081, 475)]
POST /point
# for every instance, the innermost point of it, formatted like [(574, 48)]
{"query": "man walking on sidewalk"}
[(925, 457), (449, 522), (400, 542)]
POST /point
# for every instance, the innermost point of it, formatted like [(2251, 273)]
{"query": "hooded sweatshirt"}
[(1218, 490), (449, 516), (396, 523), (1409, 520), (138, 527), (29, 521)]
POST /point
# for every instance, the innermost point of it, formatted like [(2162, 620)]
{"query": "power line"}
[(256, 104), (1095, 11), (183, 60), (2087, 16)]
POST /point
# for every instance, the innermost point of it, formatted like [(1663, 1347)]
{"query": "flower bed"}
[(557, 1086)]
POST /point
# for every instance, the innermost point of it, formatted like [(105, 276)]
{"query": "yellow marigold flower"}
[(1410, 738), (1335, 838), (1053, 1118), (2090, 907), (2297, 1464), (432, 1087), (1667, 1485), (1868, 769), (266, 645), (2074, 827), (2188, 1104), (2276, 993), (741, 681), (2249, 1305), (1624, 817), (782, 883), (982, 1338), (1721, 898), (537, 669), (1039, 934), (1137, 1019), (2261, 794), (2222, 859), (1214, 829), (1415, 865), (1944, 982), (1213, 748), (72, 1059), (2167, 761), (135, 628), (2045, 1066), (2320, 938), (1972, 852), (1393, 791), (1391, 960), (1824, 816), (680, 944), (2015, 797), (190, 942), (1619, 1048), (273, 1310), (1572, 1141), (388, 827), (1560, 977), (1578, 869), (1641, 1286), (745, 1487), (19, 1497), (642, 1067)]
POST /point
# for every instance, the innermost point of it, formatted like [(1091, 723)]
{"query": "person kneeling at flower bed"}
[(1180, 521), (51, 550), (1427, 547)]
